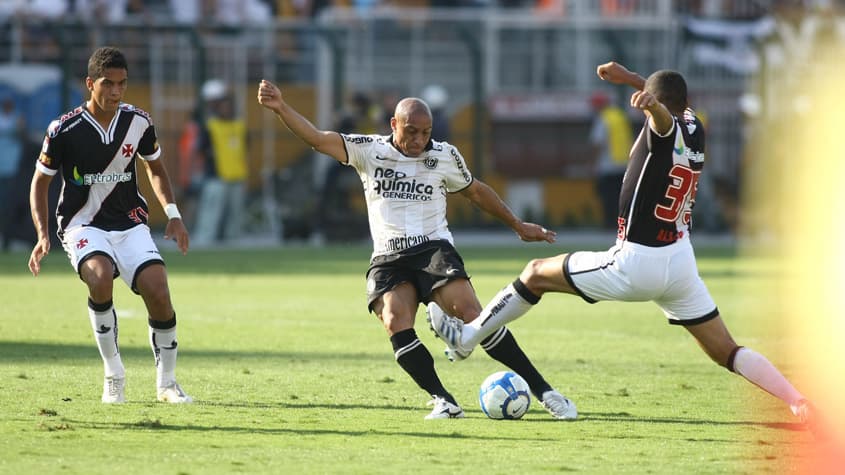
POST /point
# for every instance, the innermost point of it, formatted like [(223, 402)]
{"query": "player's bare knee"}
[(532, 276), (393, 322), (100, 287)]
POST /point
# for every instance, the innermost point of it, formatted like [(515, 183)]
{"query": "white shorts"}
[(130, 251), (632, 272)]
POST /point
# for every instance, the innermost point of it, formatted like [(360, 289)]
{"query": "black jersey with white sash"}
[(660, 184), (100, 185)]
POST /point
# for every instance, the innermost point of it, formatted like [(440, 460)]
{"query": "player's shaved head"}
[(411, 106), (411, 125)]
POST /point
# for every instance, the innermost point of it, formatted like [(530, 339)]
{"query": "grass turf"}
[(291, 375)]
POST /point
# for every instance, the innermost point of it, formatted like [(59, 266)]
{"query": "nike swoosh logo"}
[(103, 329), (172, 346)]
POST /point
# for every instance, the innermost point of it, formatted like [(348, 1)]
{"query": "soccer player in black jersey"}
[(102, 217), (653, 258), (406, 178)]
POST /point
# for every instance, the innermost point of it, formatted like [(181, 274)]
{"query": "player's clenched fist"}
[(269, 95), (613, 72), (643, 100)]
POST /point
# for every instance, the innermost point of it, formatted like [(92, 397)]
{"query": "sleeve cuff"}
[(43, 169), (670, 132), (152, 156)]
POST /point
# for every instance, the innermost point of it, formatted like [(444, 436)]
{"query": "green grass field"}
[(291, 375)]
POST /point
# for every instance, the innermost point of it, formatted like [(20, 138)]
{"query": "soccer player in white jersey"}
[(406, 178), (102, 217), (653, 259)]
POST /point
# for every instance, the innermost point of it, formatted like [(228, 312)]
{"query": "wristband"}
[(172, 211)]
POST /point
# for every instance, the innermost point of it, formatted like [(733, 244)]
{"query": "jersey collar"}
[(106, 136), (427, 147)]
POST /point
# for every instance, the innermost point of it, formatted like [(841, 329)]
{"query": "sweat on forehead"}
[(411, 106)]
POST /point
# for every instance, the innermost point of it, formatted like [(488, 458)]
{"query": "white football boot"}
[(812, 420), (449, 329), (173, 394), (444, 409), (559, 406), (113, 390)]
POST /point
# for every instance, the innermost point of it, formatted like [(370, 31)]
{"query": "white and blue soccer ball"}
[(504, 395)]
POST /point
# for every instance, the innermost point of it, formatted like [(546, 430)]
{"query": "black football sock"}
[(415, 359), (502, 347)]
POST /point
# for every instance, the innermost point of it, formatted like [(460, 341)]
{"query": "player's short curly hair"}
[(670, 88), (105, 58)]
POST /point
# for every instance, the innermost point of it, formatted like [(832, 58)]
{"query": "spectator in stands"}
[(551, 7), (618, 7), (101, 12), (437, 98), (611, 139), (222, 147), (38, 37), (11, 145), (241, 12), (359, 117), (186, 11), (191, 166), (389, 99)]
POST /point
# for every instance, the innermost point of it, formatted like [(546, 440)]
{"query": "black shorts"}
[(427, 266)]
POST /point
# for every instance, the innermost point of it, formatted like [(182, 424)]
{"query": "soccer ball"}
[(504, 395)]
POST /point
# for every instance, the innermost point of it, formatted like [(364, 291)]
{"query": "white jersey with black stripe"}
[(406, 196)]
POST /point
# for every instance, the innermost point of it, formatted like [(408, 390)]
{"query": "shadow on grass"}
[(18, 351), (627, 417), (147, 424), (582, 417)]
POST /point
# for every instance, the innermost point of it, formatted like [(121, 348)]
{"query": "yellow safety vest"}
[(228, 139), (619, 136)]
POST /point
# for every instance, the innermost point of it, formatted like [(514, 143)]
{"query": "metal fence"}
[(476, 54)]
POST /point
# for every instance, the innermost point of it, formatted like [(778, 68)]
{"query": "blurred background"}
[(512, 83)]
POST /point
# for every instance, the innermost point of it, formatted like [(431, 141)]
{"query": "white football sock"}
[(506, 306), (104, 323), (163, 343), (756, 368)]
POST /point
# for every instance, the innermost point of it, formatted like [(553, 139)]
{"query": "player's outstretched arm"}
[(617, 74), (488, 200), (160, 181), (38, 207), (327, 142)]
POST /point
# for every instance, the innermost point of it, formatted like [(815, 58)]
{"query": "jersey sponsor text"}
[(96, 178), (391, 184), (404, 242)]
